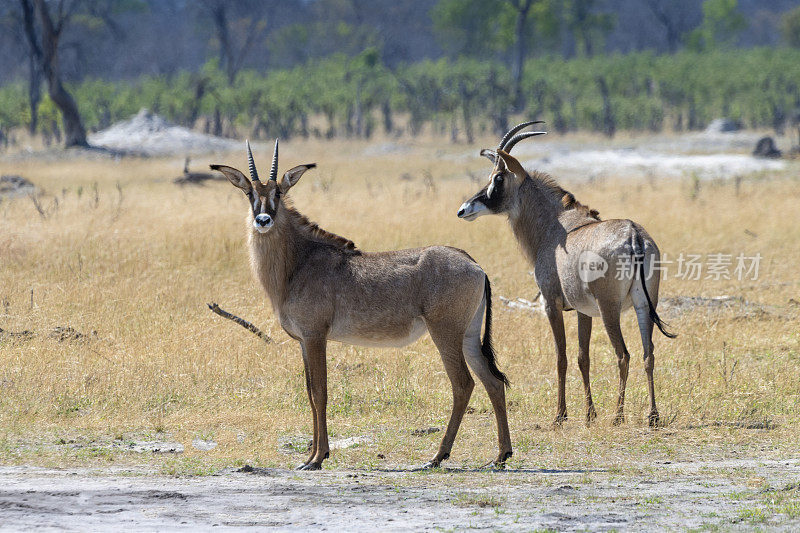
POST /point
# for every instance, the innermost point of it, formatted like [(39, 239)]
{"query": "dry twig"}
[(242, 322)]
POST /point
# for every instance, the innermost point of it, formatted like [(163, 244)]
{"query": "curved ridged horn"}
[(518, 137), (515, 129), (251, 163), (273, 171)]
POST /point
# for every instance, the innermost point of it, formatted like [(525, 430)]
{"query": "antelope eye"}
[(499, 178)]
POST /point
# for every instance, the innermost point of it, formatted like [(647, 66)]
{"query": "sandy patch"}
[(645, 497), (149, 134), (636, 162)]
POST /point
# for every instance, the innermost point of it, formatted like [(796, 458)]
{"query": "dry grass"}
[(137, 260)]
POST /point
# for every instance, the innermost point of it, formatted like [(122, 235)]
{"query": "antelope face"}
[(491, 199), (264, 196), (500, 194)]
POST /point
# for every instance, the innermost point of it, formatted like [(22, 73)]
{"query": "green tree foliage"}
[(588, 25), (354, 96), (790, 27), (485, 28), (298, 43), (475, 28), (722, 23), (14, 111)]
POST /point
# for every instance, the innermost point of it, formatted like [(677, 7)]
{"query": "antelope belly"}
[(586, 304), (395, 337)]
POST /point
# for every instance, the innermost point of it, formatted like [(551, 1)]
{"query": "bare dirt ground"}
[(711, 495)]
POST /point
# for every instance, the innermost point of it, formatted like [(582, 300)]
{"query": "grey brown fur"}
[(556, 232), (323, 288)]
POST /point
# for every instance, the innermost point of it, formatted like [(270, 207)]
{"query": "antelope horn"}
[(273, 171), (514, 130), (518, 137), (251, 163)]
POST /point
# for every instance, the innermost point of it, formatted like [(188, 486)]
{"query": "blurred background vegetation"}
[(354, 68)]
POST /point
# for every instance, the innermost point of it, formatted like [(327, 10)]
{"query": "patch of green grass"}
[(94, 452), (187, 467), (753, 516), (68, 404), (790, 509), (651, 500), (740, 495), (706, 527), (471, 499)]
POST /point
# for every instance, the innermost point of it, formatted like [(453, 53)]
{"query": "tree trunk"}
[(74, 132), (587, 42), (358, 115), (673, 38), (220, 17), (34, 62), (231, 56), (194, 110), (608, 127), (34, 94), (466, 101), (670, 26), (217, 128), (388, 125), (522, 7)]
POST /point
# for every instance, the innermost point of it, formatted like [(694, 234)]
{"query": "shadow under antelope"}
[(595, 267), (195, 178), (323, 288)]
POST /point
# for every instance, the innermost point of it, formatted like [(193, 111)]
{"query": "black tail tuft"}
[(653, 315), (486, 347)]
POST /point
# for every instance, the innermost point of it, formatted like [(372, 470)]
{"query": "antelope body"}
[(323, 288), (560, 237)]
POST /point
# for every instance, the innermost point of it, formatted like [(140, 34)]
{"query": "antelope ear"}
[(235, 177), (292, 176), (512, 164), (490, 154)]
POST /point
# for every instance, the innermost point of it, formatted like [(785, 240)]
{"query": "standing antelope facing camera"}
[(561, 237), (323, 288)]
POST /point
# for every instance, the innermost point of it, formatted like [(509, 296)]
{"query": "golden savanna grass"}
[(124, 252)]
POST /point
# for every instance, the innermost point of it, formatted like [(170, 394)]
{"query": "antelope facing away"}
[(574, 254), (323, 288)]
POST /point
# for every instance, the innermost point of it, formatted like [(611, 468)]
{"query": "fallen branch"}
[(242, 322), (59, 333), (14, 334)]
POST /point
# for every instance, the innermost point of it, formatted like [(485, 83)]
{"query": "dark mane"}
[(568, 200), (315, 233)]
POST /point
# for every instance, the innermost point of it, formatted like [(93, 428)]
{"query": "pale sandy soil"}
[(729, 494)]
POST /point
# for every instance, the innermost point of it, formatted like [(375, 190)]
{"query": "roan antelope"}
[(564, 239), (323, 288)]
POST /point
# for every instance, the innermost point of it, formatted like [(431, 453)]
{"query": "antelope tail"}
[(653, 315), (486, 346)]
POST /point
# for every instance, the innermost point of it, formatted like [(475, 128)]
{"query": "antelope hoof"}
[(500, 463), (653, 419), (591, 415), (313, 465), (619, 419), (559, 420), (436, 462)]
